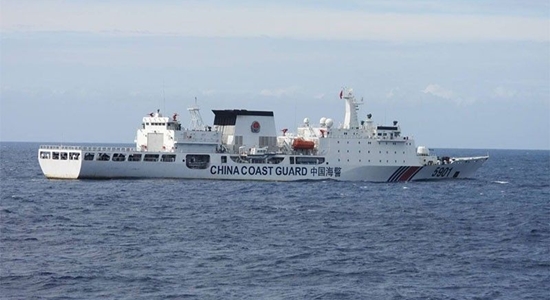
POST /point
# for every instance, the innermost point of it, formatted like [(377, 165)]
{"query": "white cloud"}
[(198, 19), (502, 92), (447, 94), (439, 91)]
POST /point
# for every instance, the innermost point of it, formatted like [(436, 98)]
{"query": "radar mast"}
[(196, 119)]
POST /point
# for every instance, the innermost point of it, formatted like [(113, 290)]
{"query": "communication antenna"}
[(196, 119)]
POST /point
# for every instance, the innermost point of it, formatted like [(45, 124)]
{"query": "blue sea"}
[(487, 237)]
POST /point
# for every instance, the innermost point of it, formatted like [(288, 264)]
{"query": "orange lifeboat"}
[(302, 144)]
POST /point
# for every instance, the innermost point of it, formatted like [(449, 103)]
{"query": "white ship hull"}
[(244, 145), (215, 169)]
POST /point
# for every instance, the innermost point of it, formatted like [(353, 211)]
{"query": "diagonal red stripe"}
[(406, 176)]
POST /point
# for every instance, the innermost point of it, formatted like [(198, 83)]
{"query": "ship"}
[(246, 145)]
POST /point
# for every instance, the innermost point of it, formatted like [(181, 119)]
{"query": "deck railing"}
[(88, 148)]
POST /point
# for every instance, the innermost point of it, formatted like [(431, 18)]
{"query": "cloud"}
[(502, 92), (199, 19), (439, 91), (447, 94)]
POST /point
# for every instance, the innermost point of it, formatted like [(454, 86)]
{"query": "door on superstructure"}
[(155, 141)]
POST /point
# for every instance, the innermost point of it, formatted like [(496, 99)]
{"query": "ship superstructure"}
[(245, 145)]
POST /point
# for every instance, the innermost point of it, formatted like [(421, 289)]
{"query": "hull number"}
[(442, 172)]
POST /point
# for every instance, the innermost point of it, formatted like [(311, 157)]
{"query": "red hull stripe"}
[(411, 178), (397, 173), (408, 174)]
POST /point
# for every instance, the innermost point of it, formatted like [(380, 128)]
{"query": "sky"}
[(455, 74)]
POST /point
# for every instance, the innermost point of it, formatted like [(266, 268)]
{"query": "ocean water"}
[(482, 238)]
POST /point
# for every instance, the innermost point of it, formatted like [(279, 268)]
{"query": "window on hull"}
[(103, 157), (197, 161), (74, 156), (134, 157), (45, 154), (89, 156), (309, 160), (168, 158), (119, 157), (151, 157)]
